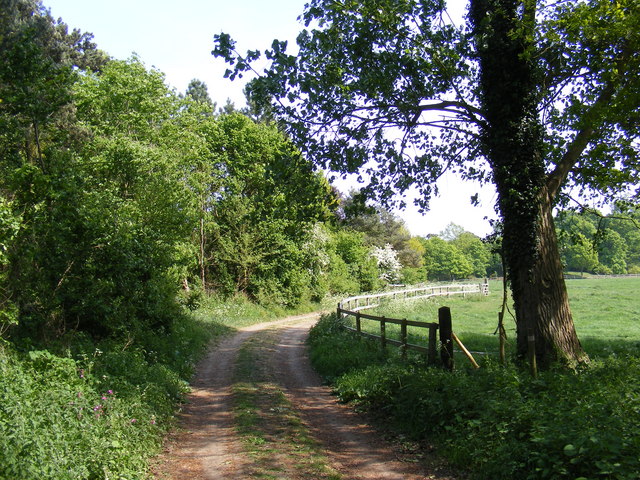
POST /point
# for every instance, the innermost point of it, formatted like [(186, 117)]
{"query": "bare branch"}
[(595, 212)]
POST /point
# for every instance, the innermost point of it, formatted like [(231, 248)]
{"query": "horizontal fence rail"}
[(430, 350), (362, 302), (352, 306)]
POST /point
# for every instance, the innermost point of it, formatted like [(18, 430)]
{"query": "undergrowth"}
[(77, 409), (497, 422), (80, 409)]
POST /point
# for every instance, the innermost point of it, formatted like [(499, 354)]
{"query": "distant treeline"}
[(600, 244)]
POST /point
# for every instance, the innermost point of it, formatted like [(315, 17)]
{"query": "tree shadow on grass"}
[(598, 347)]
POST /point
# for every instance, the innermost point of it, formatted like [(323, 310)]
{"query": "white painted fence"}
[(362, 302)]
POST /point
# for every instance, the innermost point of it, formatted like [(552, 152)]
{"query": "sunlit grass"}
[(239, 311), (606, 313)]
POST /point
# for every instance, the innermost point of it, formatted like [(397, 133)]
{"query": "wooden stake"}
[(466, 352), (503, 336)]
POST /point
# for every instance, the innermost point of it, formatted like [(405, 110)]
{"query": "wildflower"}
[(133, 420)]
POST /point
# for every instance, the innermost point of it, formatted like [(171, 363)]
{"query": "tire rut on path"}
[(356, 448), (208, 448)]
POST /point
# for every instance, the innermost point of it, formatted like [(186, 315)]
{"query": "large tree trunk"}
[(512, 139), (541, 300)]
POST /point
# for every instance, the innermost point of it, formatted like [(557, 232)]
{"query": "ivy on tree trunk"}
[(513, 143)]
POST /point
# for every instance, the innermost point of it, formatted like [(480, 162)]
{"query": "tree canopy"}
[(601, 244), (116, 191)]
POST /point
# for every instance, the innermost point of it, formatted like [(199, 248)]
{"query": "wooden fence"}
[(352, 306)]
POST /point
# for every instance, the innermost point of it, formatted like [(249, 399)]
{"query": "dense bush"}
[(86, 410), (498, 421)]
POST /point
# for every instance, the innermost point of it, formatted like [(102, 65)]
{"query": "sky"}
[(176, 38)]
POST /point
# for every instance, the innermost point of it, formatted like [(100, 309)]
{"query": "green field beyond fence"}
[(606, 313)]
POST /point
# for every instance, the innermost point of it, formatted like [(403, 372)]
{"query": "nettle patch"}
[(99, 416)]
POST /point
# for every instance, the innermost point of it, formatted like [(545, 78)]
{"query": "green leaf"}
[(570, 450)]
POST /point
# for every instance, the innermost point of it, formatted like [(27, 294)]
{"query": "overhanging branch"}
[(585, 134)]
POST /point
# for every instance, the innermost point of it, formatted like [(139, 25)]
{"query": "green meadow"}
[(606, 314)]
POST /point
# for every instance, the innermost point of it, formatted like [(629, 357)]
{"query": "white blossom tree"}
[(388, 262)]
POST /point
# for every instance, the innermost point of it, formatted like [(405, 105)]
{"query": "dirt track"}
[(207, 447)]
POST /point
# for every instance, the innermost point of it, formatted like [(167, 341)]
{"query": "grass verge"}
[(238, 312)]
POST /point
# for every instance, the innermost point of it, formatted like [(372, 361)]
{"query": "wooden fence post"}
[(383, 333), (358, 329), (446, 340)]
